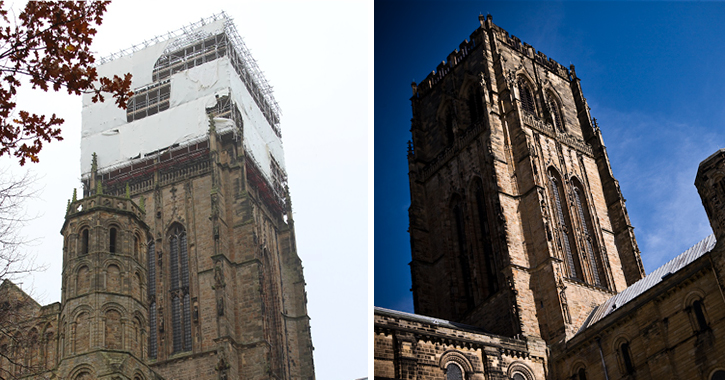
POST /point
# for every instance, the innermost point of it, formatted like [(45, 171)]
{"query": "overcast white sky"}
[(316, 56)]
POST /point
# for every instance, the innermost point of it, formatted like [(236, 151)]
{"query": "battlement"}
[(476, 39), (454, 58), (100, 201), (516, 44)]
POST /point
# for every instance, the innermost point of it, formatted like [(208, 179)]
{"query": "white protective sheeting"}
[(106, 132)]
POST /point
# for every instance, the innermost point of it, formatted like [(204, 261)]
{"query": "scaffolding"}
[(210, 47)]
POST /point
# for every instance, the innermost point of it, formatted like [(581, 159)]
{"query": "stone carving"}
[(222, 366), (218, 276), (161, 320), (220, 304)]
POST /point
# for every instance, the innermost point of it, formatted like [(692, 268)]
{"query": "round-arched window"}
[(718, 375), (520, 371), (518, 376), (453, 372)]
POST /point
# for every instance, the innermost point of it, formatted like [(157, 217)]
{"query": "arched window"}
[(484, 230), (475, 104), (136, 339), (84, 241), (136, 286), (449, 124), (83, 281), (718, 375), (151, 257), (83, 376), (462, 244), (564, 223), (454, 372), (50, 347), (697, 310), (33, 350), (555, 110), (82, 336), (113, 333), (590, 245), (113, 279), (526, 96), (136, 246), (112, 240), (179, 289), (581, 374), (626, 357)]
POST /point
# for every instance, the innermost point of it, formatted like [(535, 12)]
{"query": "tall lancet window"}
[(589, 239), (462, 244), (564, 222), (526, 96), (179, 289), (151, 257), (485, 239), (475, 104), (449, 125), (555, 110)]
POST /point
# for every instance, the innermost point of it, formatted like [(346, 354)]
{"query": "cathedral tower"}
[(104, 313), (710, 182), (199, 149), (517, 224)]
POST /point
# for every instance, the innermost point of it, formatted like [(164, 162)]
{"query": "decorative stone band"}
[(444, 156), (564, 138), (105, 201)]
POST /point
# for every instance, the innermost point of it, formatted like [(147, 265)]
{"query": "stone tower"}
[(517, 224), (199, 149), (710, 183), (104, 314)]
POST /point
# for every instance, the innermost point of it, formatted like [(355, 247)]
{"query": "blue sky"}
[(652, 73)]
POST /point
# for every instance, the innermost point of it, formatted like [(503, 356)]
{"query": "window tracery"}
[(555, 110), (590, 245), (153, 347), (462, 243), (179, 289), (526, 96), (564, 222)]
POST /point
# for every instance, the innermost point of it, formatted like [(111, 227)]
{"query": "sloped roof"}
[(426, 319), (649, 281)]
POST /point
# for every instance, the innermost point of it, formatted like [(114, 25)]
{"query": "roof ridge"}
[(649, 281)]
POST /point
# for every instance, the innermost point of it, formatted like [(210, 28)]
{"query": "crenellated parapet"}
[(454, 59), (475, 40), (515, 43)]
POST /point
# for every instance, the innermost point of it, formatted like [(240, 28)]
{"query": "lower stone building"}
[(410, 346)]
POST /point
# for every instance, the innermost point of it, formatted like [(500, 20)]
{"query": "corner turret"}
[(710, 183)]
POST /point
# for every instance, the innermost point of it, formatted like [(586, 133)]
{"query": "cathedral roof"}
[(649, 281), (426, 319)]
